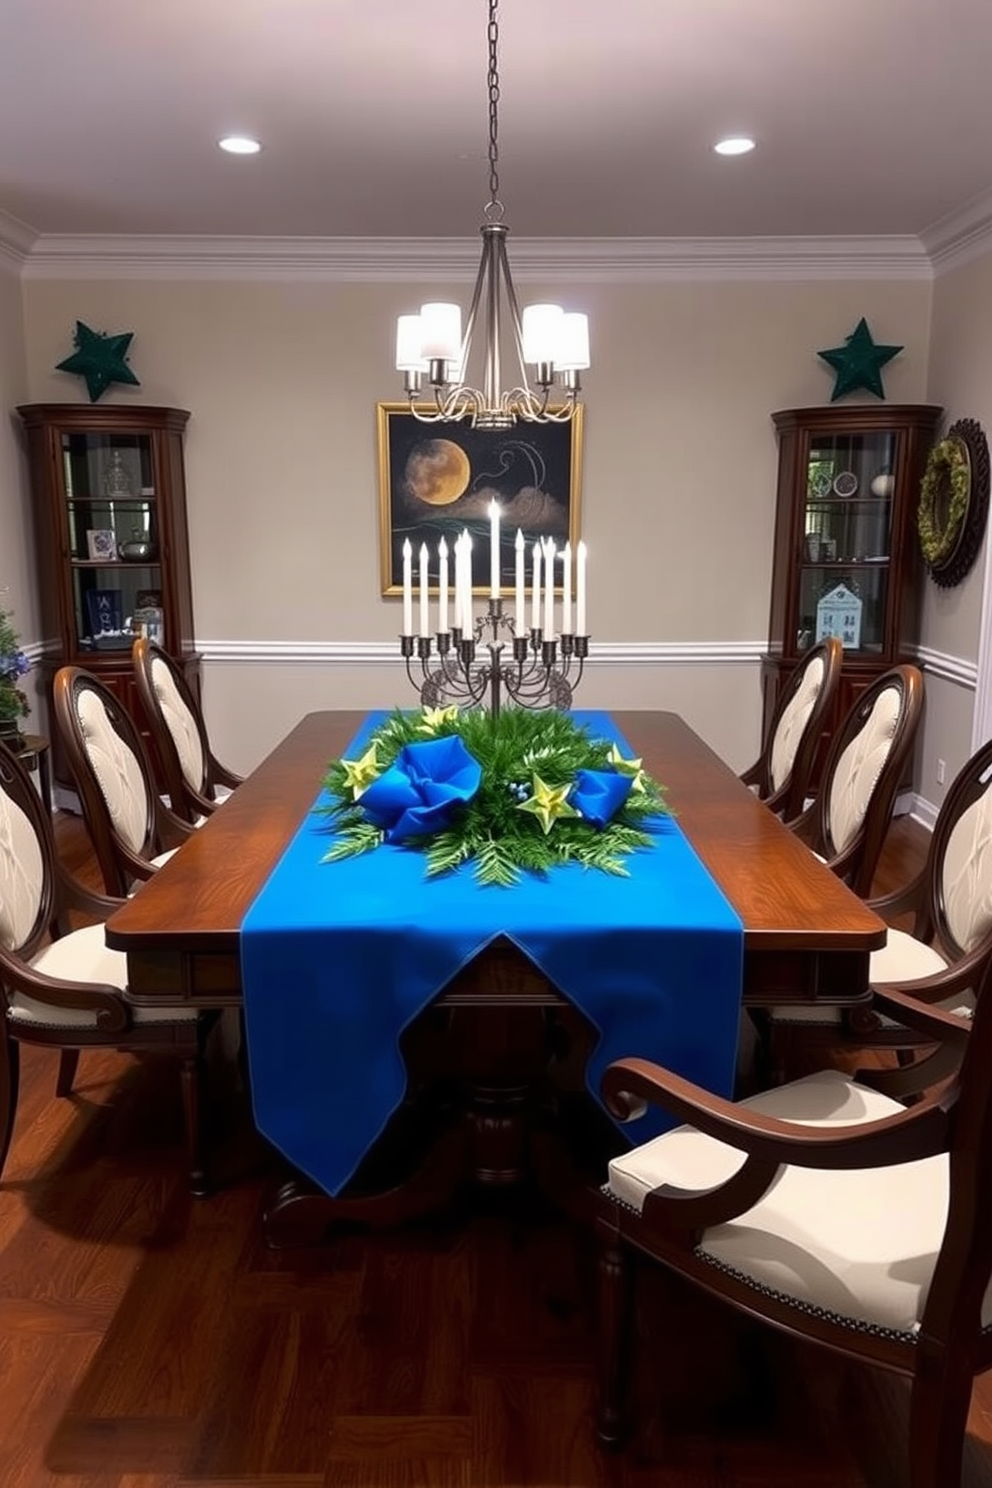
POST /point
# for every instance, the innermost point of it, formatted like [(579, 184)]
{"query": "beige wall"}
[(961, 380), (677, 507)]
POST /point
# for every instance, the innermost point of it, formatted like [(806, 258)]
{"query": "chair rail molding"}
[(383, 653)]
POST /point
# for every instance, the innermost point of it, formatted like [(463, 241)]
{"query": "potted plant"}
[(14, 665)]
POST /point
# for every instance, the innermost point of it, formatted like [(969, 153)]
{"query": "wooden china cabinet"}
[(109, 496), (846, 558)]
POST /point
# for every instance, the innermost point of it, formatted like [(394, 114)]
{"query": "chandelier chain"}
[(494, 207)]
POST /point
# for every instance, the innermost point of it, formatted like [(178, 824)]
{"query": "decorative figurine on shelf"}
[(117, 482), (858, 363), (884, 483), (100, 359), (14, 665)]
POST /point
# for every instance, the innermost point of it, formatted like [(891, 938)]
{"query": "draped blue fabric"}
[(337, 958)]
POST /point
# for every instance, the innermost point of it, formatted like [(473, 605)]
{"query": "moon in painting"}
[(437, 471)]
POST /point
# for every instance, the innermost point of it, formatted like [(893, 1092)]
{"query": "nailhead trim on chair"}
[(807, 1309), (16, 1022)]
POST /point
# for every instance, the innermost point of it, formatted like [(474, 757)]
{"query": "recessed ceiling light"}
[(737, 145), (239, 144)]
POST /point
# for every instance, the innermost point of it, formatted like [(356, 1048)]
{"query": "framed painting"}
[(437, 479)]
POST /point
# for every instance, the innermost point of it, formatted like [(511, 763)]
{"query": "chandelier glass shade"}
[(432, 349)]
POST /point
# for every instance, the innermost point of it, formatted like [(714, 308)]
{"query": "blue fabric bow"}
[(422, 788), (599, 794)]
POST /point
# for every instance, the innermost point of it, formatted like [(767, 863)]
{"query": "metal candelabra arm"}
[(528, 670)]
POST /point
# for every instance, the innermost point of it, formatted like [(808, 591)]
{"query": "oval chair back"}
[(848, 820), (782, 773), (128, 825), (196, 781)]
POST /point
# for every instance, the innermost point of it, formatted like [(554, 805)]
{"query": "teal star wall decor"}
[(858, 363), (100, 359)]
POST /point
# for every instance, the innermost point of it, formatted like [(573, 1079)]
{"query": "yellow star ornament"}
[(359, 774), (435, 718), (631, 767), (548, 803)]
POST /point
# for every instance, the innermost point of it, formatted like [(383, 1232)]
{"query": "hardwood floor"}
[(148, 1340)]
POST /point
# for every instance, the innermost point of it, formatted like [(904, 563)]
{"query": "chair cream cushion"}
[(84, 956), (902, 960), (859, 766), (860, 1244), (792, 724)]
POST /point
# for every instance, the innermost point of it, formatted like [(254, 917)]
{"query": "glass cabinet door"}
[(114, 538), (847, 529)]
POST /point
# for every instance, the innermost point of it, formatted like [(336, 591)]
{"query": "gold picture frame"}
[(437, 479)]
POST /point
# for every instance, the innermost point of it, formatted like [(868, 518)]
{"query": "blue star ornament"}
[(100, 359), (858, 363)]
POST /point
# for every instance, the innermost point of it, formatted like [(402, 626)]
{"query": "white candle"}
[(520, 599), (580, 590), (549, 592), (442, 554), (535, 594), (566, 590), (494, 585), (407, 588), (467, 583), (425, 618), (459, 581)]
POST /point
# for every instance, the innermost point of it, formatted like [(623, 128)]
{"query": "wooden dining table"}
[(807, 938)]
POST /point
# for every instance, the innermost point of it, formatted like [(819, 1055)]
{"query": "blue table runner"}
[(338, 958)]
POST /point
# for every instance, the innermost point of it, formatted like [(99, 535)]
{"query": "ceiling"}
[(871, 116)]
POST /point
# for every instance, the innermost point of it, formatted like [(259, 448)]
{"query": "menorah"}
[(542, 673), (481, 658)]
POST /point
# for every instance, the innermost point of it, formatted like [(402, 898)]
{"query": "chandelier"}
[(555, 342)]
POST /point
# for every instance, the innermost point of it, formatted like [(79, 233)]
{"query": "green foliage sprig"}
[(948, 461), (13, 666), (497, 831)]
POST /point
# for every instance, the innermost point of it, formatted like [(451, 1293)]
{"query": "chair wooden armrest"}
[(172, 830), (804, 825), (917, 1132), (902, 1000), (73, 894), (221, 775), (111, 1011), (906, 900)]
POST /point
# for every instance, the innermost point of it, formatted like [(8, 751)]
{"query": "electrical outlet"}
[(940, 772)]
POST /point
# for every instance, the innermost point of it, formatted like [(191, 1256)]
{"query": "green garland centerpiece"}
[(948, 468), (520, 791)]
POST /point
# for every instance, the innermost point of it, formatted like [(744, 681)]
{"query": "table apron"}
[(503, 975)]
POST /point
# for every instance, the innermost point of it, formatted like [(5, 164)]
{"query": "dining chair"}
[(828, 1209), (846, 823), (781, 774), (196, 781), (942, 956), (131, 829), (64, 989)]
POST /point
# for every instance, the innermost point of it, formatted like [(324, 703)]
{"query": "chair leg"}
[(939, 1404), (192, 1079), (68, 1064), (614, 1342), (10, 1079)]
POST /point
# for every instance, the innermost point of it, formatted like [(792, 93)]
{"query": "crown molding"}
[(16, 240), (428, 260), (959, 236)]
